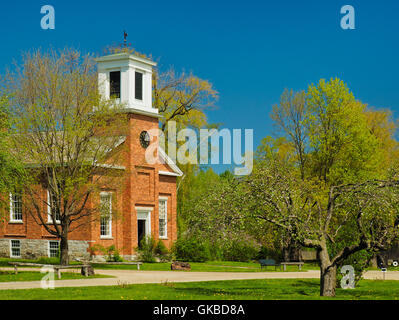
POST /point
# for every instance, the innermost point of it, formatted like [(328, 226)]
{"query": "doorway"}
[(141, 224)]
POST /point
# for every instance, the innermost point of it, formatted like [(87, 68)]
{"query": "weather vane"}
[(125, 35)]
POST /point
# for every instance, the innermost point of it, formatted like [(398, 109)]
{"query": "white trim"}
[(49, 217), (170, 174), (109, 166), (123, 56), (145, 214), (144, 112), (166, 159), (109, 236), (12, 220), (141, 209), (165, 200), (11, 255), (48, 247), (142, 72)]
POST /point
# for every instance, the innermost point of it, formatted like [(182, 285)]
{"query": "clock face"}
[(145, 139)]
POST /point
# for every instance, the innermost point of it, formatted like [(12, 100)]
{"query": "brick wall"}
[(141, 186)]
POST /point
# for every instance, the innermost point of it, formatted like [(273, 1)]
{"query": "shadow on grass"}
[(249, 289)]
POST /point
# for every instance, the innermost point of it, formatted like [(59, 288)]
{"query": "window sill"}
[(16, 222), (163, 238), (106, 238), (51, 222)]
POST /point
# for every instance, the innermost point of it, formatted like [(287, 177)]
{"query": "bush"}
[(359, 261), (111, 253), (150, 251), (267, 253), (161, 249), (163, 253), (147, 249), (191, 250), (241, 251)]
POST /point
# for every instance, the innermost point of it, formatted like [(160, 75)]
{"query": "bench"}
[(269, 262), (57, 268), (298, 263)]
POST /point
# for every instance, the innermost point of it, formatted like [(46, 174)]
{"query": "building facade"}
[(147, 201)]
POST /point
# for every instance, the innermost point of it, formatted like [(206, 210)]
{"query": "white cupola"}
[(128, 79)]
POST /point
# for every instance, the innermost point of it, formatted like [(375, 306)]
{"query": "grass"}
[(9, 276), (4, 262), (210, 266), (273, 289)]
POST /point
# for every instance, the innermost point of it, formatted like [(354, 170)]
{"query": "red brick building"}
[(146, 202)]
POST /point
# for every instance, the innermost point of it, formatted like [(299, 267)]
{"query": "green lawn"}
[(9, 276), (219, 290), (4, 262), (210, 266)]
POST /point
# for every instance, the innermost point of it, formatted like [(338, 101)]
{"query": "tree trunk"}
[(64, 257), (286, 254), (328, 272), (328, 281), (295, 252)]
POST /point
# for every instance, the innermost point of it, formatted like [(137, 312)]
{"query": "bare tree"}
[(69, 138), (288, 117), (182, 98)]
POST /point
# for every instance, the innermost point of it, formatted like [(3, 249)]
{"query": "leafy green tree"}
[(343, 148), (352, 217), (341, 201)]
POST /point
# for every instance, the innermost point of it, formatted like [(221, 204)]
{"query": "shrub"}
[(267, 253), (161, 249), (146, 251), (241, 251), (359, 261), (191, 250), (150, 250), (111, 253), (216, 252)]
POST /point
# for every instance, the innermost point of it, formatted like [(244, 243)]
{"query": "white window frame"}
[(49, 217), (109, 235), (12, 213), (117, 100), (165, 200), (49, 248), (143, 74), (11, 247)]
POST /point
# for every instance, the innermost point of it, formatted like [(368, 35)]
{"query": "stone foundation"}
[(35, 249)]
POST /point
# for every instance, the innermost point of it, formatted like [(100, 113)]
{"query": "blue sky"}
[(250, 50)]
